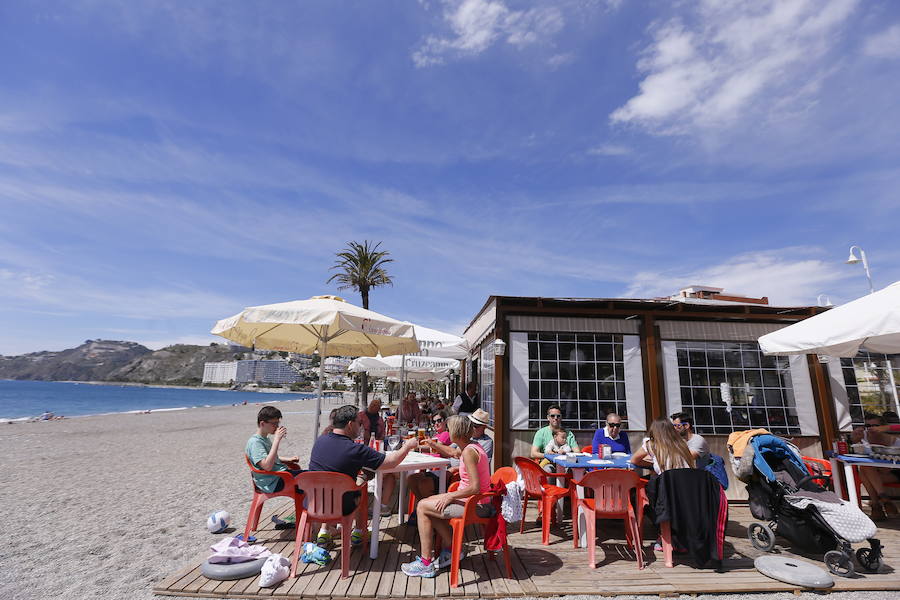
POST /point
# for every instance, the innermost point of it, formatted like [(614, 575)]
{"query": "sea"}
[(23, 400)]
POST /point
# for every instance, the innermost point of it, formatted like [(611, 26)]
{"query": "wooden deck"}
[(538, 570)]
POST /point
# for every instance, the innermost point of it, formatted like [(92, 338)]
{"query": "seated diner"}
[(611, 435)]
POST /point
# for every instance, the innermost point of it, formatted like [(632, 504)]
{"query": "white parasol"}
[(325, 324), (871, 323)]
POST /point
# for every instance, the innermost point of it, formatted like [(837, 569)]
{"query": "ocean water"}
[(24, 399)]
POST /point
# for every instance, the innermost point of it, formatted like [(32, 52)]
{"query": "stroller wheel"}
[(868, 560), (761, 536), (839, 563)]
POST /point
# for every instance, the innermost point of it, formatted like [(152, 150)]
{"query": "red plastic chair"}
[(288, 491), (818, 466), (537, 488), (612, 500), (470, 517), (589, 449), (504, 475), (324, 493)]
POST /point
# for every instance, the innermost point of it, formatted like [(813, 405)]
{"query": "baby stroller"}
[(782, 492)]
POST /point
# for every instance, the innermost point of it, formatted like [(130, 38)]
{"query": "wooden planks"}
[(537, 570)]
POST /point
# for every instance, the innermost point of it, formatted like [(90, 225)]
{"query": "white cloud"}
[(476, 25), (788, 276), (733, 61), (885, 44)]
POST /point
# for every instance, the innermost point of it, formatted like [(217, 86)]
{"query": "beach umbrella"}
[(325, 324), (870, 323), (418, 368), (440, 344)]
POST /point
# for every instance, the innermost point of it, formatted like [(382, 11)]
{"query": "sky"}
[(165, 164)]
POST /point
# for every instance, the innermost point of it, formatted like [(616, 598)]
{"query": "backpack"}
[(716, 466)]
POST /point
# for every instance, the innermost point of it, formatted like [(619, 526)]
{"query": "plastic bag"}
[(275, 570), (314, 554)]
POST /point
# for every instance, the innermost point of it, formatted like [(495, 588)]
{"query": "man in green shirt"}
[(263, 452), (544, 435)]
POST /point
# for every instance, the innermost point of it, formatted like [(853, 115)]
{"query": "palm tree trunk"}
[(364, 379)]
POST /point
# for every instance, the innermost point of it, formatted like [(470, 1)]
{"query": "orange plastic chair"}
[(288, 491), (588, 449), (537, 488), (470, 517), (504, 475), (818, 466), (324, 493), (612, 500)]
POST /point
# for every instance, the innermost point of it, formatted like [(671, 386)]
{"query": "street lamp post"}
[(853, 259)]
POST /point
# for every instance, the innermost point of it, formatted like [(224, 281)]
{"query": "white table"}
[(850, 476), (414, 461)]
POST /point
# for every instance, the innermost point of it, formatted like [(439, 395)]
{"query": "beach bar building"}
[(695, 351)]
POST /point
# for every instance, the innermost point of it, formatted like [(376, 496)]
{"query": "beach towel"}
[(738, 440), (232, 550)]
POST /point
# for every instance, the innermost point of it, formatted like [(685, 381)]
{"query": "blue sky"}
[(164, 164)]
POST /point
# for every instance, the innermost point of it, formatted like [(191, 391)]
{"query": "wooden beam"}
[(824, 402), (501, 401), (651, 359), (675, 314)]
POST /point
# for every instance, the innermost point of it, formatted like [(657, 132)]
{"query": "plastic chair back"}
[(324, 492), (587, 449), (612, 489), (504, 475), (533, 475)]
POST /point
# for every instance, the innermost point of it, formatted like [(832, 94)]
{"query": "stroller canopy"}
[(769, 449)]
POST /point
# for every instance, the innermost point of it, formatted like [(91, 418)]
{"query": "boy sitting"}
[(558, 445), (263, 451)]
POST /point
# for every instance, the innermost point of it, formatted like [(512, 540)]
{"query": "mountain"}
[(94, 360), (180, 364), (107, 360)]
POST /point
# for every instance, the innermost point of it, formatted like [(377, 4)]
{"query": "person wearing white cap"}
[(482, 421)]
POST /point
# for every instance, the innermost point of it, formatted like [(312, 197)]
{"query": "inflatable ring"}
[(227, 571), (791, 570)]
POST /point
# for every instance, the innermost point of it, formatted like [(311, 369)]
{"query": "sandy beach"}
[(106, 506)]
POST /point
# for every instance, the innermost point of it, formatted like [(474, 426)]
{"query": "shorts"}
[(483, 509), (280, 485)]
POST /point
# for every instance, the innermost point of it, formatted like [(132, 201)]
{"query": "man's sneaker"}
[(446, 557), (417, 568), (324, 540), (356, 537)]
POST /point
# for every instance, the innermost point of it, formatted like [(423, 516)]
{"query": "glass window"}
[(486, 390), (871, 381), (583, 372), (729, 386)]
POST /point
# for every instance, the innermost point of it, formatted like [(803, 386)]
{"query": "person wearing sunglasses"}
[(544, 435), (611, 435), (684, 425), (876, 431), (425, 483)]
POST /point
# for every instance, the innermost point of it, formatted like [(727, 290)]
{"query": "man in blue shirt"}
[(263, 451), (337, 452), (612, 435)]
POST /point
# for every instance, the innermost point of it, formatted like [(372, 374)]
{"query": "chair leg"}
[(458, 531), (524, 510), (547, 508), (253, 517), (576, 511), (299, 536), (591, 529), (638, 550), (347, 526), (666, 535)]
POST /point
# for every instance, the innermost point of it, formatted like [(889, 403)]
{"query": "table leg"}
[(442, 480), (401, 511), (578, 475), (850, 478), (376, 517)]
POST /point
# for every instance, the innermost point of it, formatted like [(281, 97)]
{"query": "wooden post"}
[(501, 418), (824, 402), (651, 359)]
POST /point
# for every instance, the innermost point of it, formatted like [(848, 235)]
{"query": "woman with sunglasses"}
[(425, 483), (611, 435)]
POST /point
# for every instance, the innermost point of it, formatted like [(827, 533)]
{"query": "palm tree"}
[(361, 267)]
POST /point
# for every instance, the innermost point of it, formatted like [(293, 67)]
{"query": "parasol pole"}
[(321, 383)]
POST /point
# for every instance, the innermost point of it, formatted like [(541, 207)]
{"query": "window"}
[(582, 372), (871, 381), (486, 390), (729, 386)]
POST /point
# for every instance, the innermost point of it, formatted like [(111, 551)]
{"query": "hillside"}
[(94, 360), (107, 360), (180, 364)]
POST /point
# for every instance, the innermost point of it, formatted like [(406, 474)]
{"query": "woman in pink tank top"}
[(434, 512)]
